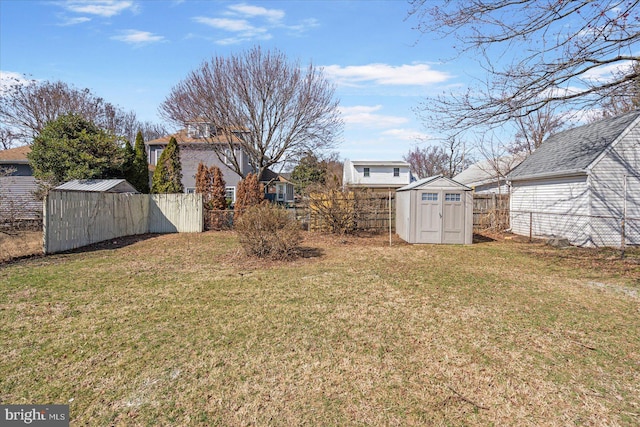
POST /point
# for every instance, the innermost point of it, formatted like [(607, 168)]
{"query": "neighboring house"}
[(488, 176), (18, 186), (376, 175), (580, 184), (196, 145), (98, 185)]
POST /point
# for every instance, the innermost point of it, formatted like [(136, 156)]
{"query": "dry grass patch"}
[(186, 330), (20, 244)]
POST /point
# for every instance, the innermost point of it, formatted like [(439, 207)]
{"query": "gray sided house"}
[(18, 186), (196, 145), (580, 184), (435, 210)]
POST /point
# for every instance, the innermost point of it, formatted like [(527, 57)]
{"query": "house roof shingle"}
[(15, 155), (573, 150), (182, 137)]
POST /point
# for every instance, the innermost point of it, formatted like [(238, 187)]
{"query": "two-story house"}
[(196, 142), (377, 175)]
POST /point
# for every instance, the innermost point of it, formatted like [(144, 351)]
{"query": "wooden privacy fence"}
[(73, 219), (347, 211), (491, 211)]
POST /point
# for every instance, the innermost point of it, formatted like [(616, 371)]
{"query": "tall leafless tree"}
[(623, 99), (25, 108), (448, 159), (536, 53), (276, 108), (532, 130)]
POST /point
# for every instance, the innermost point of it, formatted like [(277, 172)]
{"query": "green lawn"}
[(185, 330)]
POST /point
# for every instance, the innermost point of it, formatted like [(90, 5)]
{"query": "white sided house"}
[(376, 175), (435, 210), (582, 184), (488, 176)]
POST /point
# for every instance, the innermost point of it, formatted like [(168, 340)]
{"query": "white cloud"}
[(104, 8), (138, 37), (233, 25), (607, 72), (10, 78), (74, 21), (366, 116), (273, 15), (406, 134), (248, 22), (414, 74)]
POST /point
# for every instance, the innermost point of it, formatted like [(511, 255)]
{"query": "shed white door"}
[(429, 218), (453, 218)]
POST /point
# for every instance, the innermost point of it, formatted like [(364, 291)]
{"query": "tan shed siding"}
[(176, 213), (403, 217), (17, 198), (557, 207), (607, 185)]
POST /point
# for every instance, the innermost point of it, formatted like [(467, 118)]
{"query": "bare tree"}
[(534, 129), (622, 99), (447, 159), (536, 53), (26, 108), (427, 161), (274, 110)]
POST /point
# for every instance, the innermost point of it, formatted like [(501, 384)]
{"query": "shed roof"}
[(98, 185), (16, 155), (431, 181), (573, 150)]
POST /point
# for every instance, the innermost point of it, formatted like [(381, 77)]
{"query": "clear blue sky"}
[(132, 52)]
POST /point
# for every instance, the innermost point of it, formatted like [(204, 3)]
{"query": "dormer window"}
[(200, 130)]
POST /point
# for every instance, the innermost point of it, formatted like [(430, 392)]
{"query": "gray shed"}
[(98, 185), (435, 210)]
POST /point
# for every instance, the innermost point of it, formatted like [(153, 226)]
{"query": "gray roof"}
[(100, 185), (573, 150), (484, 171), (429, 180)]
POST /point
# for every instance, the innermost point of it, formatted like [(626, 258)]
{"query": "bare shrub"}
[(268, 231)]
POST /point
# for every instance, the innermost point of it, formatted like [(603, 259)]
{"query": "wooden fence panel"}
[(491, 211), (73, 219), (176, 213)]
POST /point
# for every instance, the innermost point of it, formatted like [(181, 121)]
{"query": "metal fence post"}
[(530, 227)]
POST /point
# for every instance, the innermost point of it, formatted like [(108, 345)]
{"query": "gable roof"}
[(573, 150), (425, 182), (182, 137), (98, 185), (16, 155), (484, 171)]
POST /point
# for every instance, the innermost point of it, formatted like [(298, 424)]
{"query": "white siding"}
[(380, 175), (552, 208), (607, 185)]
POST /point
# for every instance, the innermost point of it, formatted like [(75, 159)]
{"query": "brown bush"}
[(268, 231)]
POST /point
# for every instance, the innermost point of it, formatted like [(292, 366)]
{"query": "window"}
[(190, 190), (158, 154), (396, 171), (230, 194), (430, 197), (452, 197), (367, 172)]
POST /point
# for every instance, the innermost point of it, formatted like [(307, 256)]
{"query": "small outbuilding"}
[(98, 185), (435, 210)]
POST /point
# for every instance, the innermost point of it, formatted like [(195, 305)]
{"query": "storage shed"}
[(435, 210), (98, 185)]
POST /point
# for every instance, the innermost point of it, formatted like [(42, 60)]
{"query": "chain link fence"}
[(580, 230)]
